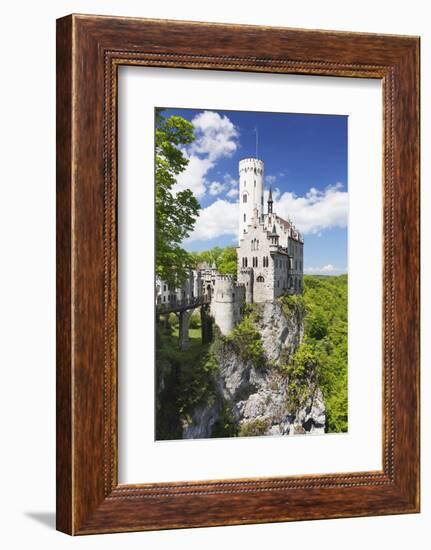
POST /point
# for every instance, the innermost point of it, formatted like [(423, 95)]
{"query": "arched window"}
[(244, 198), (260, 279), (245, 217)]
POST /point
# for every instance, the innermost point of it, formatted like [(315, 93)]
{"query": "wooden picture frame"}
[(89, 51)]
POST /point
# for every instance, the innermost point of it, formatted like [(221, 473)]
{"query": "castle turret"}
[(251, 173), (227, 303), (270, 201)]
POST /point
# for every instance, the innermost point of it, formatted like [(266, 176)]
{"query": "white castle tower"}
[(250, 192)]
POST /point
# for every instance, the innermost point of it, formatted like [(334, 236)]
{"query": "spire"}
[(270, 201)]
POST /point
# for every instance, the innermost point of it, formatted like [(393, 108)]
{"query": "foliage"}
[(226, 425), (176, 212), (292, 303), (247, 341), (187, 381), (225, 259), (195, 320), (302, 376), (253, 428), (325, 300)]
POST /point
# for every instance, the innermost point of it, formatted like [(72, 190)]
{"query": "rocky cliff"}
[(252, 387)]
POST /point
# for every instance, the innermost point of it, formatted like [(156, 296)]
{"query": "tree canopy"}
[(176, 212), (225, 259)]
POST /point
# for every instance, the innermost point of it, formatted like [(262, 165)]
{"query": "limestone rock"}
[(256, 395)]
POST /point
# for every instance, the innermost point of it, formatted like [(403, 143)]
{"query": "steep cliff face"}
[(252, 395)]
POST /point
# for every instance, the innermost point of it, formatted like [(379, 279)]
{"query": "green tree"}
[(176, 212), (227, 261), (208, 256)]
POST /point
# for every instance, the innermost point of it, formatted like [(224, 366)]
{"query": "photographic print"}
[(251, 282)]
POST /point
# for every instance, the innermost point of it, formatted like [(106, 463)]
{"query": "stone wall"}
[(227, 304)]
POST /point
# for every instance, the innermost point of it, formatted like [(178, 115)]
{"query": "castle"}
[(270, 257)]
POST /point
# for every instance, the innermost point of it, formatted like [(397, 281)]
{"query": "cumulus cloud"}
[(328, 269), (216, 137), (270, 179), (215, 188), (218, 219), (229, 180), (312, 214), (316, 211), (233, 193), (194, 176)]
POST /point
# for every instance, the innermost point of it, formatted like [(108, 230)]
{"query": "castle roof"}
[(273, 232), (270, 194)]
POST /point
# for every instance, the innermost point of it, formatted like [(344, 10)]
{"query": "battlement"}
[(251, 164), (224, 277)]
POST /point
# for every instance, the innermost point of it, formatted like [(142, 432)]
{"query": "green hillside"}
[(325, 300)]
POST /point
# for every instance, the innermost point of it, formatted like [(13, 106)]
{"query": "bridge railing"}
[(186, 303)]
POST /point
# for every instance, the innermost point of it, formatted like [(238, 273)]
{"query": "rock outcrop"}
[(256, 396)]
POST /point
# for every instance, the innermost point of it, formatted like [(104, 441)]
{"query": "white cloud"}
[(215, 188), (229, 180), (193, 177), (316, 211), (327, 269), (216, 137), (220, 218), (232, 193), (270, 179), (311, 214)]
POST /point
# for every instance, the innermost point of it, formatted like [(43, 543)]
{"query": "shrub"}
[(302, 372), (253, 428), (247, 342), (195, 321)]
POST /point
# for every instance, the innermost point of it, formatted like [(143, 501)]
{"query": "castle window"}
[(164, 288), (245, 261), (260, 279), (244, 198), (255, 183), (245, 217)]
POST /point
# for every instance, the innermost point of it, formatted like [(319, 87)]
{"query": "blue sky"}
[(305, 159)]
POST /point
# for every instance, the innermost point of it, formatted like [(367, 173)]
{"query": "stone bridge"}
[(184, 309)]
